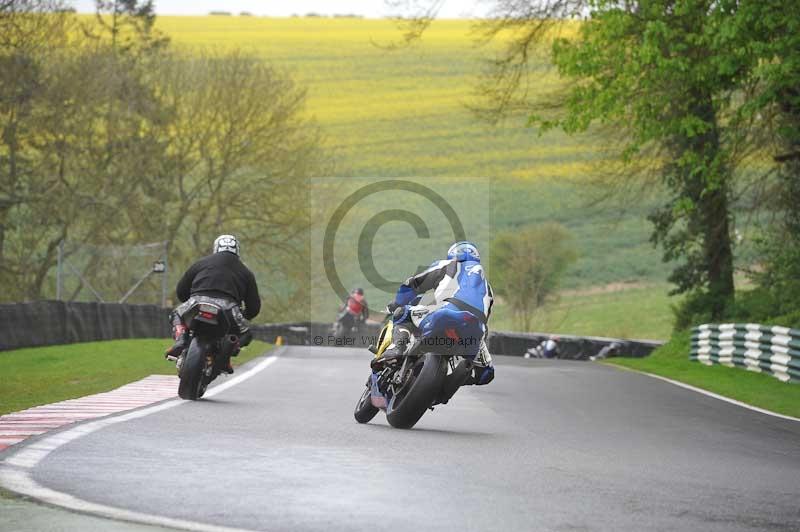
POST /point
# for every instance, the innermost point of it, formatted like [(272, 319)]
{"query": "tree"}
[(527, 266), (768, 33), (30, 33), (238, 153), (110, 138), (644, 69), (93, 158), (128, 24)]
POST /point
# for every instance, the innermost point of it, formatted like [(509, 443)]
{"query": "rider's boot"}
[(480, 375), (400, 340), (181, 335)]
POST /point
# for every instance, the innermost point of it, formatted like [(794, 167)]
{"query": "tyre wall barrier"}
[(44, 323), (758, 348), (570, 347)]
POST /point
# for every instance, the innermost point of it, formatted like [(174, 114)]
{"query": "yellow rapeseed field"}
[(398, 112)]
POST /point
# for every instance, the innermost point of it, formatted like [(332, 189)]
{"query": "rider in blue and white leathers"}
[(458, 300)]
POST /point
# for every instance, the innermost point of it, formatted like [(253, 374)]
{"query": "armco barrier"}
[(56, 322), (42, 323), (313, 333), (773, 350)]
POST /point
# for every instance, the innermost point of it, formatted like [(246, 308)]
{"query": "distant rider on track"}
[(354, 311), (223, 279), (454, 285)]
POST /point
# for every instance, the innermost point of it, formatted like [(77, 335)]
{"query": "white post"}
[(164, 278), (59, 270)]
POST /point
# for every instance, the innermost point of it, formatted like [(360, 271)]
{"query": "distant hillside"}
[(402, 113)]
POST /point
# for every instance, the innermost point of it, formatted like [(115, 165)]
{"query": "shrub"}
[(759, 305)]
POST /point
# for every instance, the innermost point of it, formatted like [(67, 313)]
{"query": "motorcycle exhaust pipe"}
[(232, 344)]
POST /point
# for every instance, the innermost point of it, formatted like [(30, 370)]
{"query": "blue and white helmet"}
[(227, 243), (464, 250)]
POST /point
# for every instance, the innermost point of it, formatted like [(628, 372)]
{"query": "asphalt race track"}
[(549, 445)]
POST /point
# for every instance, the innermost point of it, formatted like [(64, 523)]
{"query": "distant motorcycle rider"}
[(354, 310), (452, 286), (223, 278)]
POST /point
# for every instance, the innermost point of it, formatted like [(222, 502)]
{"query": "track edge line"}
[(15, 471), (707, 393)]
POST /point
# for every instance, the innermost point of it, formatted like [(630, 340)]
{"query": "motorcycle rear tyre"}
[(423, 392), (191, 385)]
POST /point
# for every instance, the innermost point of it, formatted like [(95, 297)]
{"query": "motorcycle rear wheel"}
[(407, 407), (191, 385)]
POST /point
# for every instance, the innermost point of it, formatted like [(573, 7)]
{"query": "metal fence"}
[(758, 348), (136, 273)]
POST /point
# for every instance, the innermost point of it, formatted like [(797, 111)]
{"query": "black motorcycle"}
[(215, 339), (347, 326)]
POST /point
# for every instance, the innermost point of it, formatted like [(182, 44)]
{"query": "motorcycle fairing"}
[(461, 327)]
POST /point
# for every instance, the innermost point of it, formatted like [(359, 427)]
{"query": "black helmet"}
[(359, 291)]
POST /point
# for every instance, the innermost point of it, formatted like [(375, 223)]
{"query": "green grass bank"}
[(41, 375), (757, 389)]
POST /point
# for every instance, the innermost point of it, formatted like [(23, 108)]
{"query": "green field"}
[(403, 113), (44, 375), (632, 311), (393, 112), (758, 389)]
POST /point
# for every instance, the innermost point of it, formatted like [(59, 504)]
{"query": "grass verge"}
[(41, 375), (640, 312), (757, 389)]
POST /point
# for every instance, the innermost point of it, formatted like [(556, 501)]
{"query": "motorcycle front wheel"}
[(364, 411)]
